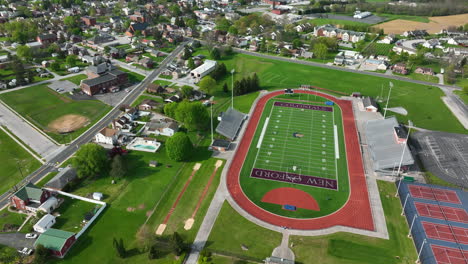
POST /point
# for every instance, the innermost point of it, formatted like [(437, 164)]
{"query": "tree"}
[(215, 54), (297, 43), (207, 84), (71, 21), (191, 64), (41, 254), (219, 71), (18, 69), (187, 91), (465, 89), (119, 247), (24, 52), (170, 109), (193, 114), (223, 24), (89, 160), (285, 52), (320, 51), (118, 168), (179, 147), (71, 60), (153, 252), (55, 66), (177, 244), (225, 88)]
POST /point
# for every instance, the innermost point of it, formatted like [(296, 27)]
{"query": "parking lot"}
[(63, 86)]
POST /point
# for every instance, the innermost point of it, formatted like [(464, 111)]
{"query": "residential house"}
[(59, 181), (89, 20), (306, 54), (378, 64), (389, 39), (423, 70), (415, 33), (370, 105), (46, 222), (347, 57), (173, 99), (57, 241), (147, 105), (46, 39), (117, 53), (460, 40), (197, 95), (29, 198), (131, 58), (155, 89), (137, 27), (400, 68), (164, 127), (431, 44), (333, 32), (107, 136), (99, 39), (146, 62)]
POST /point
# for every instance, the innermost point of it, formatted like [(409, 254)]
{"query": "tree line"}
[(246, 85)]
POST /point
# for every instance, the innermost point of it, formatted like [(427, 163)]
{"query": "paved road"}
[(30, 136), (16, 240), (89, 134)]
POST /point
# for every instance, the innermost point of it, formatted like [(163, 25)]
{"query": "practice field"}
[(292, 163), (58, 115)]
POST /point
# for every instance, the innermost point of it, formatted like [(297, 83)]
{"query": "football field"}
[(299, 139)]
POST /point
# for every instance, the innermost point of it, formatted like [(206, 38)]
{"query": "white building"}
[(46, 222), (165, 127), (49, 205), (201, 71), (107, 136), (361, 15)]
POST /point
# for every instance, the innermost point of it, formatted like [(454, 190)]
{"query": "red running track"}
[(355, 213), (446, 255), (442, 212), (435, 194)]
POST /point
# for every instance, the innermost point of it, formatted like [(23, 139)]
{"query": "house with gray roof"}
[(59, 181)]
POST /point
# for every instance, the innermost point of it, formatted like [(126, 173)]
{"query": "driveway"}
[(16, 240)]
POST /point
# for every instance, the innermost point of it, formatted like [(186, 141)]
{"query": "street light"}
[(388, 99), (232, 89), (402, 155), (211, 105)]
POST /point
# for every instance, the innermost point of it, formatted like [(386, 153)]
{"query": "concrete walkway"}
[(283, 250)]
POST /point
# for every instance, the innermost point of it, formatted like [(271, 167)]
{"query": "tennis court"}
[(446, 255), (447, 233), (435, 194), (298, 140), (442, 212)]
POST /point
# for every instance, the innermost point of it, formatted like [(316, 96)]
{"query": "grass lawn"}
[(46, 179), (462, 82), (133, 77), (423, 77), (432, 179), (41, 105), (218, 259), (462, 95), (76, 79), (134, 197), (7, 217), (162, 82), (72, 213), (143, 97), (380, 48), (325, 21), (424, 104), (168, 77), (423, 19), (356, 249), (231, 231), (16, 162)]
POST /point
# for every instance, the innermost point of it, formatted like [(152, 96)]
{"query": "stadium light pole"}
[(211, 106), (232, 88), (402, 155), (404, 204), (420, 251), (388, 99), (412, 224)]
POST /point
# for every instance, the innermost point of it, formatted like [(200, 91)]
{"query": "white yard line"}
[(260, 149), (284, 146), (260, 140), (337, 149)]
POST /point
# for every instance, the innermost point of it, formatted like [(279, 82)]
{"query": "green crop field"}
[(380, 48), (299, 142), (423, 103), (41, 106), (325, 21), (16, 162)]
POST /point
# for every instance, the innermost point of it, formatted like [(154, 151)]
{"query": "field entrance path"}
[(283, 251)]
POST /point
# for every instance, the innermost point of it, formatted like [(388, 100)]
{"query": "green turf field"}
[(298, 142)]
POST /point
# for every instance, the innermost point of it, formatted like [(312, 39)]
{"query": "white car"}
[(31, 235), (26, 251)]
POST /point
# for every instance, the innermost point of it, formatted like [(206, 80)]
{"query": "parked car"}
[(26, 251), (31, 235)]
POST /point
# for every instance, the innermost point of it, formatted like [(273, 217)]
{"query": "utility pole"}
[(388, 99), (232, 88), (402, 155)]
